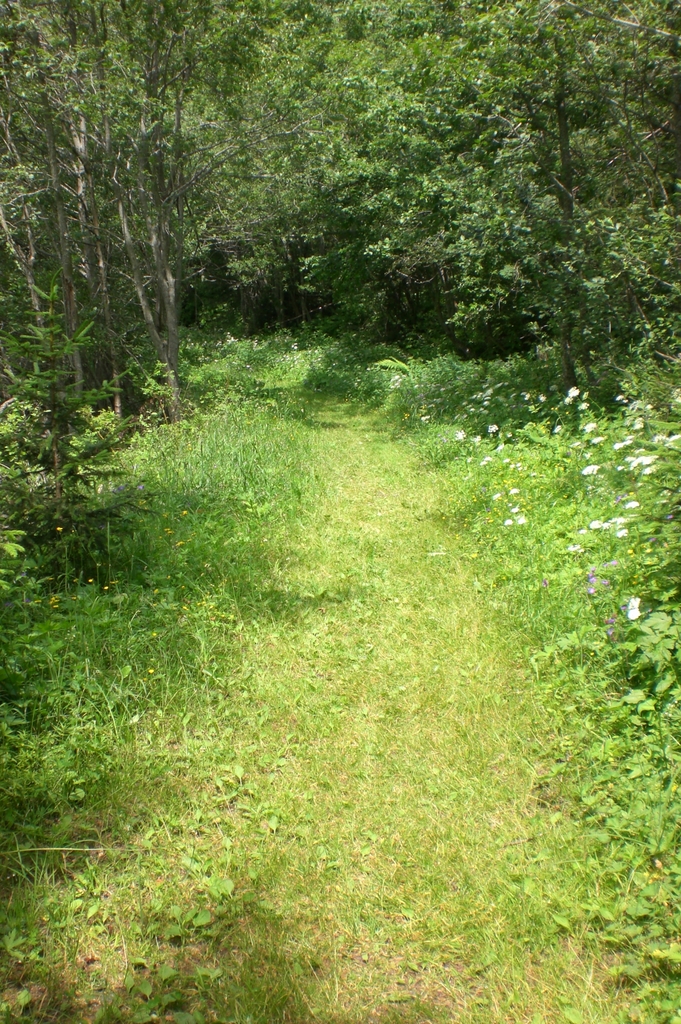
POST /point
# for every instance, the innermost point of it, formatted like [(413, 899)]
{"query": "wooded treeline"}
[(481, 178)]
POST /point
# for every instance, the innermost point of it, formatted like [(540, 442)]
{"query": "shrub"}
[(57, 453)]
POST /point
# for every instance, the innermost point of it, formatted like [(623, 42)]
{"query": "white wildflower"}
[(487, 459), (495, 497), (589, 427), (623, 533), (573, 393), (638, 425), (590, 470), (460, 435), (516, 509), (508, 522), (542, 398), (521, 520), (633, 608), (557, 429), (514, 490), (575, 547), (597, 440), (632, 504), (622, 444), (477, 440), (582, 531), (492, 429), (595, 524)]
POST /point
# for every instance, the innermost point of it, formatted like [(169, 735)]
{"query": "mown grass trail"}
[(369, 782), (409, 864)]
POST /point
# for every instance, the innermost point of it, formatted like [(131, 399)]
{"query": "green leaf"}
[(672, 953), (573, 1015), (180, 1017), (220, 887), (165, 972), (209, 973), (562, 921), (203, 918)]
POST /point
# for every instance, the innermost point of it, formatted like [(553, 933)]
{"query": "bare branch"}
[(631, 26)]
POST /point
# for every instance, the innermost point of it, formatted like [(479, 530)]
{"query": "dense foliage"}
[(478, 178)]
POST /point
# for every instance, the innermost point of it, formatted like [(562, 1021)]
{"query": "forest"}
[(340, 490)]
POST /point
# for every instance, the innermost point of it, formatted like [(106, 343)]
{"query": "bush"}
[(57, 454)]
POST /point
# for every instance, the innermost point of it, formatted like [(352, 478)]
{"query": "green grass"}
[(307, 756)]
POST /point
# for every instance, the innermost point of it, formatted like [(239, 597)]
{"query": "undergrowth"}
[(96, 667), (574, 501)]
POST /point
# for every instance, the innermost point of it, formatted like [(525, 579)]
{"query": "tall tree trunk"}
[(25, 257), (676, 128), (167, 347), (567, 202), (65, 258), (96, 268)]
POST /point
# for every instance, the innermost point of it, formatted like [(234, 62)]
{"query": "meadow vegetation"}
[(339, 511), (372, 711)]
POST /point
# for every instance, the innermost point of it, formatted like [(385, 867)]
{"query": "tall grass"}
[(114, 653), (574, 503)]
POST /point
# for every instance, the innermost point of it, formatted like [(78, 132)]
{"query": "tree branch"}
[(632, 26)]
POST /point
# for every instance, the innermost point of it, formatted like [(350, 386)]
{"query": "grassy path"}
[(370, 785)]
